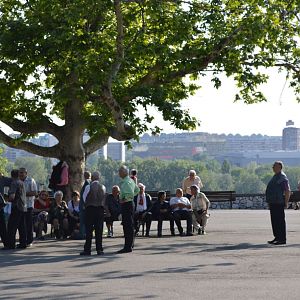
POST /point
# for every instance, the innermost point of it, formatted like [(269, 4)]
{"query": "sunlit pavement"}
[(233, 261)]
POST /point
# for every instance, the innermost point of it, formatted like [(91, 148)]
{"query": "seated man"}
[(181, 210), (161, 211), (58, 216), (200, 205), (143, 206), (113, 205), (40, 214)]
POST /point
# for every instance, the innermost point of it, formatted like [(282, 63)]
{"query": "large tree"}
[(95, 63)]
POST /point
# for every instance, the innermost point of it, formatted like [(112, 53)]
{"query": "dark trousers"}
[(183, 215), (161, 218), (28, 215), (278, 221), (82, 223), (3, 230), (94, 217), (144, 217), (127, 221), (16, 222)]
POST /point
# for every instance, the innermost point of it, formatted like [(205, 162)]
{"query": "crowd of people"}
[(28, 211)]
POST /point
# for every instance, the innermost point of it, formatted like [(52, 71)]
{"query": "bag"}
[(2, 202), (55, 175)]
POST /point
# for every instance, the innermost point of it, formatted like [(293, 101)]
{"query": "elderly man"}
[(200, 205), (277, 196), (94, 199), (192, 179), (87, 181), (31, 193), (143, 206), (181, 210), (113, 205), (128, 189)]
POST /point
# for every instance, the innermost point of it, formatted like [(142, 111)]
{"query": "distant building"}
[(116, 151), (290, 137)]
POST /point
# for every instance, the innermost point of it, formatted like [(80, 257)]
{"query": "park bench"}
[(294, 200), (221, 196)]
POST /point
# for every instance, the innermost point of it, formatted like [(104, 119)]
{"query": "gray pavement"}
[(232, 261)]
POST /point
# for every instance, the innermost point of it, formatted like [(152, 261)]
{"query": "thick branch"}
[(95, 143), (30, 147), (44, 125)]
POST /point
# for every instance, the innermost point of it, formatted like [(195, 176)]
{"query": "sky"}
[(219, 114)]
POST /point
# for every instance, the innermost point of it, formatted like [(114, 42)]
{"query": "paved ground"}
[(232, 262)]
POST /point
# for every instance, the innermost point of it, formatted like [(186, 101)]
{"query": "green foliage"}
[(3, 162)]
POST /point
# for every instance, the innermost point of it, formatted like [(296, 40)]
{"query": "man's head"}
[(179, 193), (123, 171), (277, 166), (14, 174), (192, 174), (142, 188), (87, 175), (95, 175), (133, 172), (194, 189), (115, 190), (22, 173)]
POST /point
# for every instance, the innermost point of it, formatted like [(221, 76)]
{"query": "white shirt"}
[(183, 200), (70, 207), (199, 202), (139, 207), (30, 186)]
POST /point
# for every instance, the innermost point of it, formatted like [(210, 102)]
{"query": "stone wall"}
[(243, 201)]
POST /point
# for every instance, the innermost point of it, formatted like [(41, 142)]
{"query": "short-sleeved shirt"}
[(177, 200), (17, 188), (187, 183), (30, 186), (38, 205), (128, 189)]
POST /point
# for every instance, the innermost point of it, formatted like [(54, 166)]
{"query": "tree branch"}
[(30, 147), (95, 143), (44, 125)]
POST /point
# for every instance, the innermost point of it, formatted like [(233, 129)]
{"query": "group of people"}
[(88, 209)]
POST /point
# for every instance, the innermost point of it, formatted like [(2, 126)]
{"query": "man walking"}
[(277, 196), (128, 189), (94, 198), (31, 193)]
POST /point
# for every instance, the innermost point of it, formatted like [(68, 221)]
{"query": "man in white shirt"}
[(192, 179), (31, 193), (181, 210), (200, 205)]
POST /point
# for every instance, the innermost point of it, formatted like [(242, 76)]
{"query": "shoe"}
[(189, 234), (181, 233), (20, 246), (124, 251), (147, 235), (271, 242), (29, 245), (85, 253), (100, 253), (199, 231), (172, 233), (279, 243), (7, 248), (203, 232), (159, 235)]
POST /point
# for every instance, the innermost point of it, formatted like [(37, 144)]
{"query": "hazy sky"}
[(219, 114)]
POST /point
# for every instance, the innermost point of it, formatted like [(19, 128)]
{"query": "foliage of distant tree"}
[(3, 162)]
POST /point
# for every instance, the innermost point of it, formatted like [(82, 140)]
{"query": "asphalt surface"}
[(233, 261)]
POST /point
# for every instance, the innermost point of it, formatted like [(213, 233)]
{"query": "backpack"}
[(55, 175)]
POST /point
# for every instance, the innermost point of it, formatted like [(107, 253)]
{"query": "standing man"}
[(16, 221), (87, 181), (277, 196), (31, 193), (128, 189), (94, 200), (192, 179)]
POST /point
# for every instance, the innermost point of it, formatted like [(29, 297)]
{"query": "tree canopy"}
[(96, 63)]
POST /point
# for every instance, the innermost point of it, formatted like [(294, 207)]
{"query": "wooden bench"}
[(221, 196), (294, 200)]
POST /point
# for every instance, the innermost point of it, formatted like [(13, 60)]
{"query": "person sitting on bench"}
[(200, 205), (181, 210), (142, 213), (161, 211)]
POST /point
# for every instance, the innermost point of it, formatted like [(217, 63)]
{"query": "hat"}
[(141, 185)]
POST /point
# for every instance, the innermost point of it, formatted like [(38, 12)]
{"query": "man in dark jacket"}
[(94, 199), (277, 196), (142, 212), (87, 181)]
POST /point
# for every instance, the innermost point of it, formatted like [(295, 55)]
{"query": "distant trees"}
[(3, 162)]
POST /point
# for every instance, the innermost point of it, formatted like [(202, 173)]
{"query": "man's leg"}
[(29, 225), (177, 218), (281, 224), (127, 221), (148, 220), (3, 230), (188, 216), (274, 217), (89, 228), (22, 231), (98, 219), (82, 223)]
